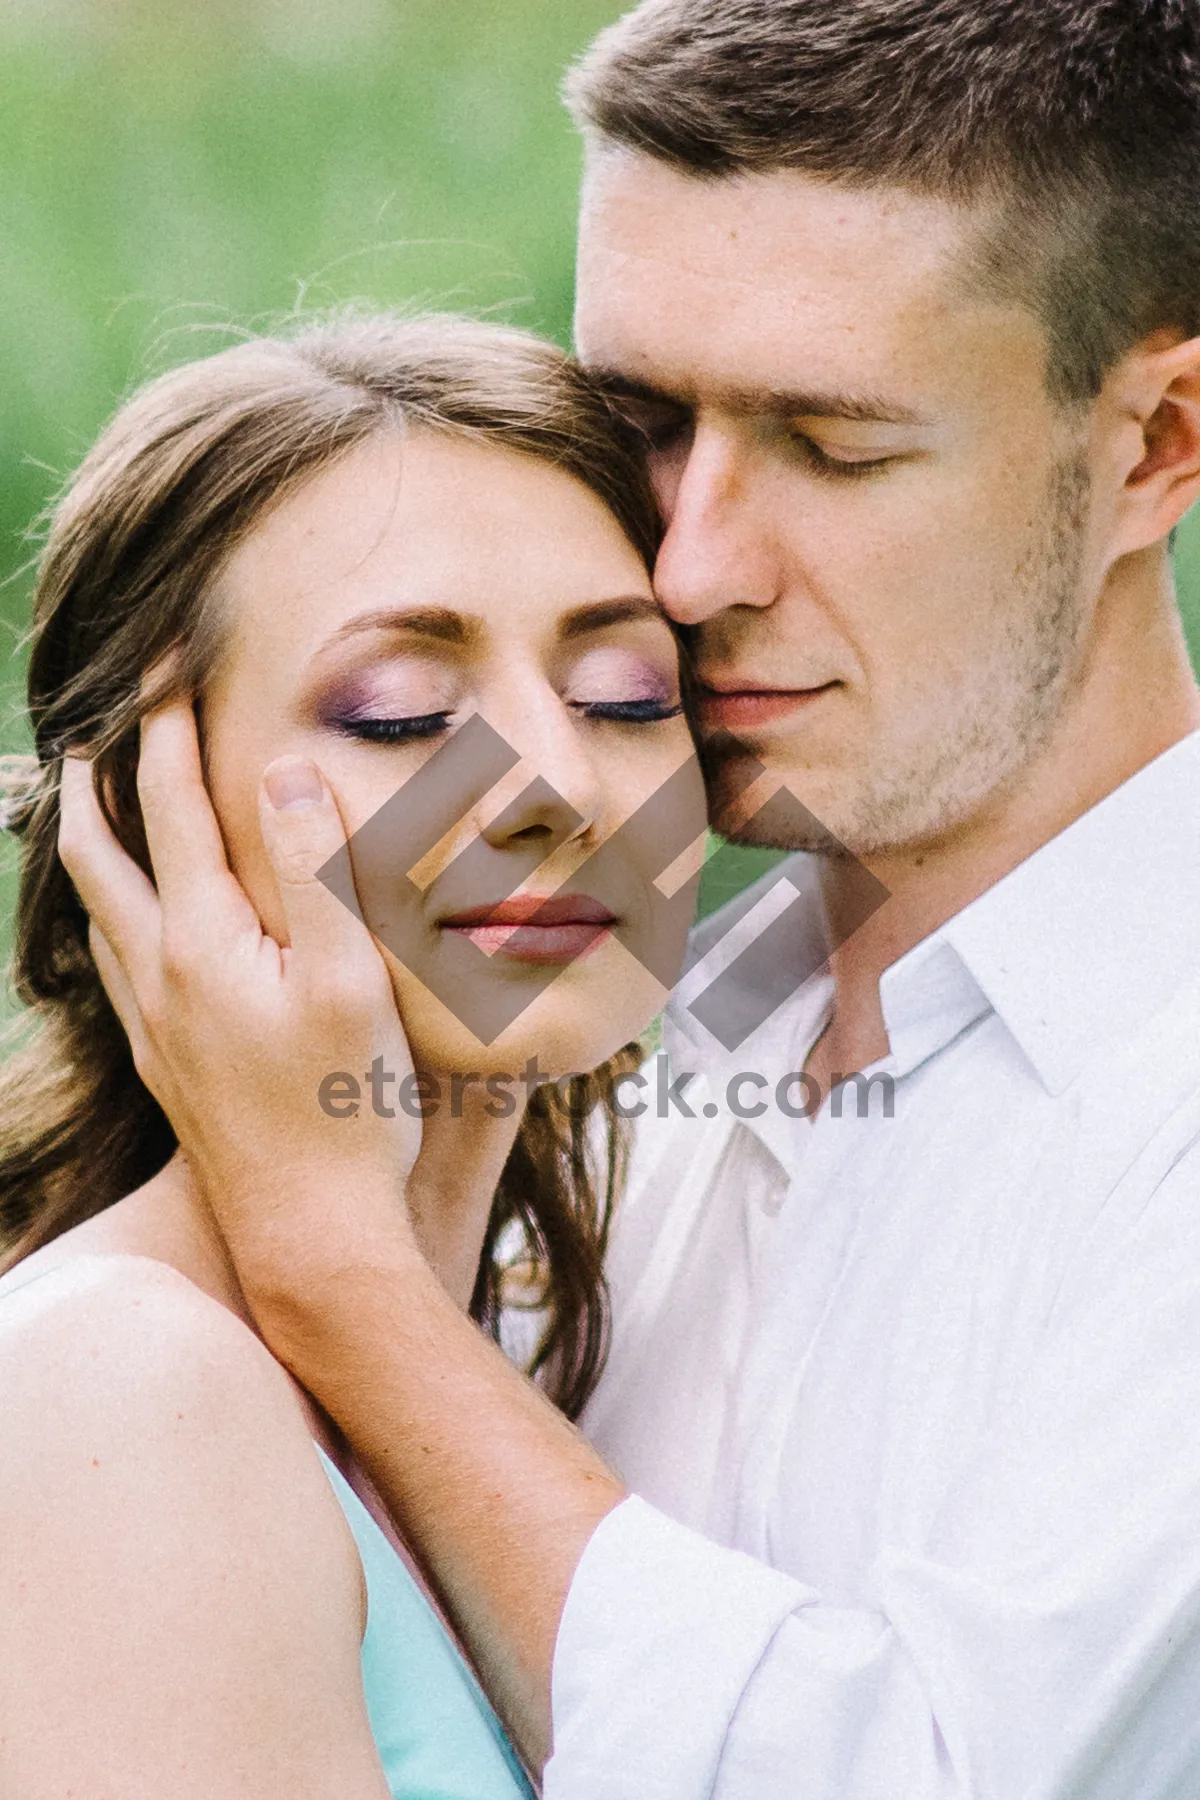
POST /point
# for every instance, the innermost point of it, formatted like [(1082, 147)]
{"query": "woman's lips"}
[(530, 929), (736, 708)]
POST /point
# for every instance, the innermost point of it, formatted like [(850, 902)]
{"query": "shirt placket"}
[(791, 1301)]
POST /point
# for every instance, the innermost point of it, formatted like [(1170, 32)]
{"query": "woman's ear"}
[(1159, 393)]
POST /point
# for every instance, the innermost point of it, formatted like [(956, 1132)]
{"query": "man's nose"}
[(718, 549)]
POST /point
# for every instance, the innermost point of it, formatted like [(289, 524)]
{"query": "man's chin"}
[(746, 806)]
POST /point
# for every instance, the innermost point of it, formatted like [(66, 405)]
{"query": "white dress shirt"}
[(910, 1405)]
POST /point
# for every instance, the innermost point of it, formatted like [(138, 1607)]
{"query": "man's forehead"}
[(772, 281), (781, 226)]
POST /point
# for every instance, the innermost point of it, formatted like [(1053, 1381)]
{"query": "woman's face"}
[(428, 587)]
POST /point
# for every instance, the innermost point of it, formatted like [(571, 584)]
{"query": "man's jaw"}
[(758, 782)]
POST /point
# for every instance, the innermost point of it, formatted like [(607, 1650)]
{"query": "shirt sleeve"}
[(1042, 1640)]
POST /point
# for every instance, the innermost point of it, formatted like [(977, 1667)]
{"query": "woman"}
[(378, 550)]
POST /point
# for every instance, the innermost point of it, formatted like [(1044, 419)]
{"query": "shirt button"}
[(771, 1198)]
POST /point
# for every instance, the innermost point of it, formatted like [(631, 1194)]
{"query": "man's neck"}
[(1139, 698)]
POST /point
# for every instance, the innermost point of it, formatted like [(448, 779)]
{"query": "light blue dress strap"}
[(437, 1736)]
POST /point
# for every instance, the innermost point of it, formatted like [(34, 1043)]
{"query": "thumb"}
[(306, 842)]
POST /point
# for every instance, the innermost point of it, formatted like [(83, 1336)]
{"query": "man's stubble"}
[(981, 731)]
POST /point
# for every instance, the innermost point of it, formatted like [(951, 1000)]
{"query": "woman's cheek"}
[(363, 777)]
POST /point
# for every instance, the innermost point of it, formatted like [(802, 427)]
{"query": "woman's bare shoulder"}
[(122, 1357), (124, 1320), (163, 1513)]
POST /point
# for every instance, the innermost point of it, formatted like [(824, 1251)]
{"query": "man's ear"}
[(1158, 395)]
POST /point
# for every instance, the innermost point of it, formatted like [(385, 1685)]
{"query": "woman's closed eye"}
[(629, 712), (623, 687), (605, 683), (393, 701), (373, 730), (428, 725)]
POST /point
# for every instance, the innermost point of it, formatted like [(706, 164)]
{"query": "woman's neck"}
[(464, 1148)]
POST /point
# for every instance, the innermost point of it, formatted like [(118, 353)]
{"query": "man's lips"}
[(534, 929), (732, 702)]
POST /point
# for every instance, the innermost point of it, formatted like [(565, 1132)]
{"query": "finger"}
[(306, 842), (119, 989), (182, 834), (115, 893)]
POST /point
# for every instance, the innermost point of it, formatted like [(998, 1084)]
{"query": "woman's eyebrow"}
[(450, 627), (440, 622), (596, 614)]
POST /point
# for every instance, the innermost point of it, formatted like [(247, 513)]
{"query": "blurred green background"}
[(169, 170)]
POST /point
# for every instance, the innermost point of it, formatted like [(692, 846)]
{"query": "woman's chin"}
[(587, 1014)]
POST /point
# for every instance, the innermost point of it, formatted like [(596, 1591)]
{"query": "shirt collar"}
[(1083, 942), (928, 998), (1077, 946)]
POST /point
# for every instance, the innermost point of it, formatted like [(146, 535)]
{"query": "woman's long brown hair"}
[(135, 544)]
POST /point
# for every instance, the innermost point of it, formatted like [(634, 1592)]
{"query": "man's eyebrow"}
[(623, 387), (594, 615), (440, 622), (784, 403)]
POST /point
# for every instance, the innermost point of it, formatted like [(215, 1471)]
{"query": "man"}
[(905, 295)]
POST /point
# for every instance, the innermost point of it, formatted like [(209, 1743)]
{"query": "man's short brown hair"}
[(1078, 121)]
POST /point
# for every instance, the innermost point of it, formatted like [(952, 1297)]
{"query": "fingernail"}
[(291, 784)]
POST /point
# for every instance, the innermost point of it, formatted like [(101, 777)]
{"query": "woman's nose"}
[(561, 796)]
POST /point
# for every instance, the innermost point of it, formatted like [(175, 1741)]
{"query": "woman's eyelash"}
[(426, 725), (629, 712), (395, 731)]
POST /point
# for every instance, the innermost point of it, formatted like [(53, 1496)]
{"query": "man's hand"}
[(234, 1033)]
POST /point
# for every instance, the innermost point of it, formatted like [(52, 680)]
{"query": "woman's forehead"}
[(432, 524)]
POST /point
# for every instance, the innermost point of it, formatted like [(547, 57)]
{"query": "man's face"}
[(877, 516)]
